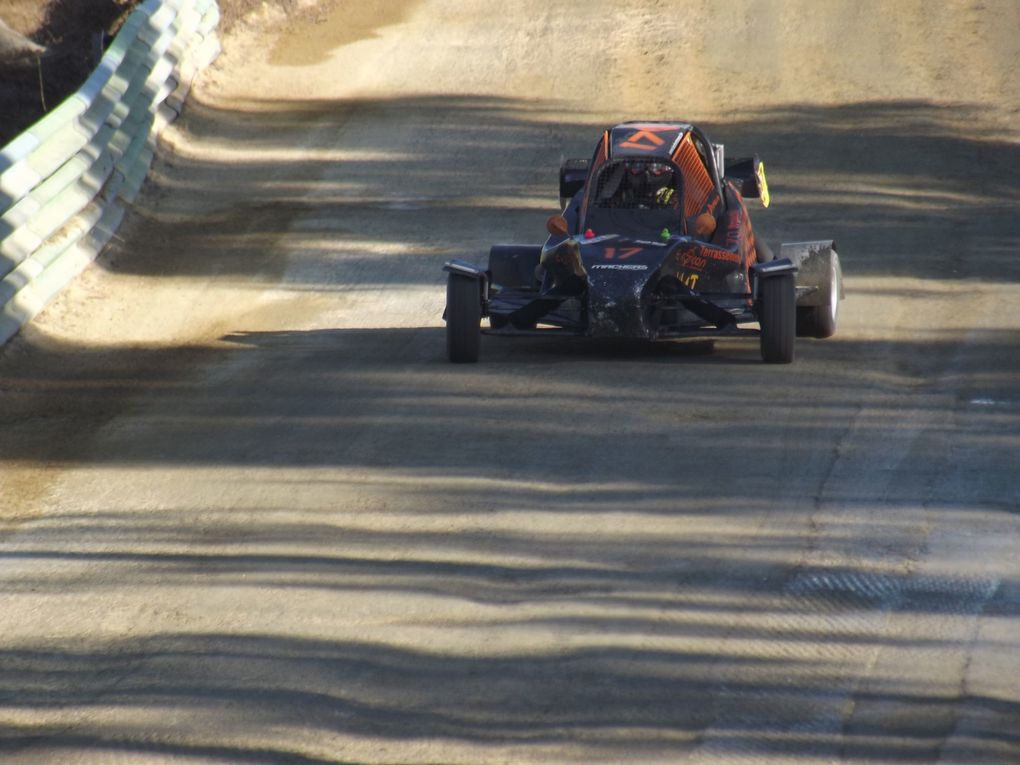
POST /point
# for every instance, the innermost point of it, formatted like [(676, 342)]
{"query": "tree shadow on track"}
[(905, 188), (647, 521), (338, 215), (395, 384), (608, 702), (683, 627)]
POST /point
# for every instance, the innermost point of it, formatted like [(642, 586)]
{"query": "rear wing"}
[(573, 174), (748, 175)]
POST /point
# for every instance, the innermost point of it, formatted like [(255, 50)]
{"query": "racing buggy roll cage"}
[(644, 275)]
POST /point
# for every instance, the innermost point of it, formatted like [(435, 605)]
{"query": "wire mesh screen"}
[(636, 197), (642, 184)]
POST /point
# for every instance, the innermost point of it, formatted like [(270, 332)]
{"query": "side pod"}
[(513, 265)]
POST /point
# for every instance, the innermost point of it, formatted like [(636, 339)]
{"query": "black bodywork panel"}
[(618, 287)]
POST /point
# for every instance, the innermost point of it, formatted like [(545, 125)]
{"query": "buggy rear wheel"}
[(777, 316), (820, 320), (463, 319)]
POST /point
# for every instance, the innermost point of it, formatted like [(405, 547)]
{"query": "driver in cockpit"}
[(651, 185)]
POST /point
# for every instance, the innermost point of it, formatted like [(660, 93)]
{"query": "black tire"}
[(820, 320), (777, 316), (463, 319)]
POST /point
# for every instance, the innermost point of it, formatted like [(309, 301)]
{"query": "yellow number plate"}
[(763, 185)]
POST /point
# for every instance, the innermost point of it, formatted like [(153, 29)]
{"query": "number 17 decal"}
[(625, 252)]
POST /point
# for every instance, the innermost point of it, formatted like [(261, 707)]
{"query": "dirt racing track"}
[(251, 515)]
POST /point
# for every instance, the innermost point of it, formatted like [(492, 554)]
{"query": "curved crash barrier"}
[(66, 181)]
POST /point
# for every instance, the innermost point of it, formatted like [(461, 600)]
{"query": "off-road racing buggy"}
[(654, 242)]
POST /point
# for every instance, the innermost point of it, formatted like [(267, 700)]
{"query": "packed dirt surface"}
[(251, 515)]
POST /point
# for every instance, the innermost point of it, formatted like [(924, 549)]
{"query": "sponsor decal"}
[(645, 140), (619, 267), (731, 257), (694, 261)]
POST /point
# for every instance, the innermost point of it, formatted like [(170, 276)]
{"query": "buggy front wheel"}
[(777, 317), (463, 318)]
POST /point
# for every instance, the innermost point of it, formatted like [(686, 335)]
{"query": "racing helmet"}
[(649, 180)]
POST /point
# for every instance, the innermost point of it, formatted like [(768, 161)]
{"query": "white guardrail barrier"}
[(66, 181)]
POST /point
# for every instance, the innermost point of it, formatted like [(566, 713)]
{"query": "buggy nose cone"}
[(617, 305)]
